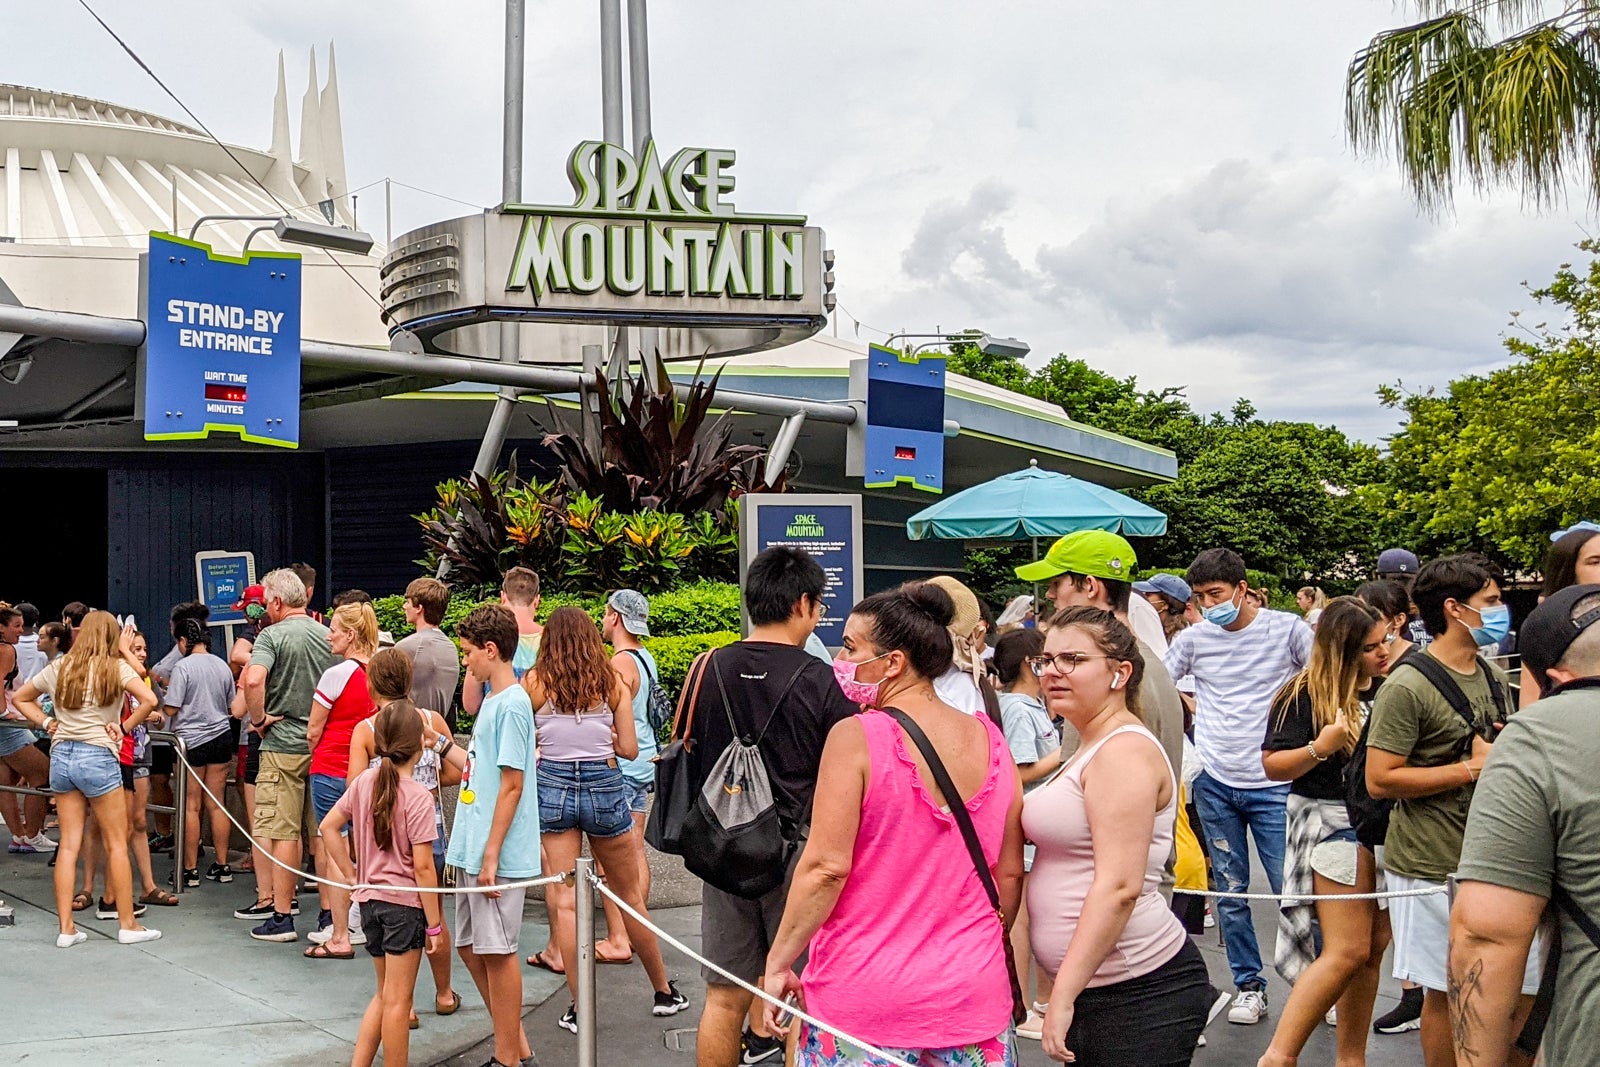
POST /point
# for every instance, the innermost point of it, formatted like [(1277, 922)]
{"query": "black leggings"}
[(1150, 1021)]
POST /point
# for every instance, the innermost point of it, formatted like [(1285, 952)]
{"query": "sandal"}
[(454, 1007), (160, 898), (598, 958), (323, 952), (414, 1022), (539, 960), (81, 902)]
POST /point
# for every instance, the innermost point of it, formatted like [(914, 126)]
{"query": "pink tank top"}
[(1054, 819), (913, 925)]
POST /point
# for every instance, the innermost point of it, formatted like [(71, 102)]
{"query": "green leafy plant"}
[(675, 654)]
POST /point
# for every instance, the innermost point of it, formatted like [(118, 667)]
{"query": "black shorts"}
[(393, 929), (252, 759), (1153, 1020), (219, 749), (162, 758), (132, 771)]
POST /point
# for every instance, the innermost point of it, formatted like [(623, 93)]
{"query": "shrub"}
[(701, 608), (675, 654)]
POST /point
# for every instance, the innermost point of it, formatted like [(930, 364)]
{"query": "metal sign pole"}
[(588, 1049)]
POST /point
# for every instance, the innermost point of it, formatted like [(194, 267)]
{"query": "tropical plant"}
[(482, 526), (1496, 92), (642, 448)]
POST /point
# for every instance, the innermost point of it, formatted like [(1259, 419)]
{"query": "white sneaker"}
[(1210, 920), (68, 940), (1249, 1007), (1032, 1027), (135, 937), (1332, 1018), (322, 937), (41, 842)]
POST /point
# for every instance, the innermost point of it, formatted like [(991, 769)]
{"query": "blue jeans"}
[(1227, 815), (588, 795)]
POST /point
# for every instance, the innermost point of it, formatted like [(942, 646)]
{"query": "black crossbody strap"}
[(644, 665), (958, 808)]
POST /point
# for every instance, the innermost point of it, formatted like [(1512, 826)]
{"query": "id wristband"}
[(435, 931)]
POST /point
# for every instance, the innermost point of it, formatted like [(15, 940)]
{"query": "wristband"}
[(434, 931)]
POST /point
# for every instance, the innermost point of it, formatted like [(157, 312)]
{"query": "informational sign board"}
[(221, 579), (901, 440), (222, 344), (828, 527)]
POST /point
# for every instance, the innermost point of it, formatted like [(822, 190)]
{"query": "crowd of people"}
[(1005, 831)]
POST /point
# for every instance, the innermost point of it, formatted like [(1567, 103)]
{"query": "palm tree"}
[(1496, 92)]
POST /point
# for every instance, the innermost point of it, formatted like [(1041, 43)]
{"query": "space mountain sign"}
[(649, 241)]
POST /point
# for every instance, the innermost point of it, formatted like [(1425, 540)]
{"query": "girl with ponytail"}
[(390, 816)]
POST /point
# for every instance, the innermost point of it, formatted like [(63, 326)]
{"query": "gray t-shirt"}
[(295, 652), (201, 690), (1029, 731), (1535, 822), (435, 669)]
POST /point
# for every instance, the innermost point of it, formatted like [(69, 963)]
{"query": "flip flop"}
[(414, 1022), (82, 902), (323, 952), (538, 960), (160, 898), (454, 1007), (611, 959)]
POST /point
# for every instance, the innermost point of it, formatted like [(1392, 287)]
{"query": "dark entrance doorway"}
[(55, 548)]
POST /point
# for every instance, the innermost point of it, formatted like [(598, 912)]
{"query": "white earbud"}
[(1116, 683)]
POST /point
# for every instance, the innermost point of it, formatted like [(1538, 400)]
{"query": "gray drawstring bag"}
[(733, 837)]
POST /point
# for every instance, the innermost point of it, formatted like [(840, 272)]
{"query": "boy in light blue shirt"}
[(496, 833)]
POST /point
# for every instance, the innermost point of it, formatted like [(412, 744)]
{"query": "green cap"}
[(1094, 553)]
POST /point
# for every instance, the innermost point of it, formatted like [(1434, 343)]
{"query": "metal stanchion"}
[(180, 801), (583, 886)]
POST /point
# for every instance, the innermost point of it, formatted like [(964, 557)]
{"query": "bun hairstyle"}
[(1113, 639), (397, 733), (913, 619), (194, 632)]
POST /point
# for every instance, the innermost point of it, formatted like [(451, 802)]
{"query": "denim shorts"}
[(638, 795), (326, 789), (591, 796), (81, 767), (14, 738)]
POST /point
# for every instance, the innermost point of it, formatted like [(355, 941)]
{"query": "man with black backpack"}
[(1532, 839), (770, 693), (1432, 726)]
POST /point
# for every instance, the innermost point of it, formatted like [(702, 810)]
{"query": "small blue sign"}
[(826, 532), (222, 344), (904, 434), (222, 578)]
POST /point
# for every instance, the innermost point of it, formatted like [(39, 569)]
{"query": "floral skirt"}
[(818, 1048)]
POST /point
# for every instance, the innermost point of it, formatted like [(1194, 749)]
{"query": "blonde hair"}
[(362, 623), (1332, 680), (91, 673)]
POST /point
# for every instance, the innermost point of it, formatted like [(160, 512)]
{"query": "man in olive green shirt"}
[(1534, 830), (1422, 753)]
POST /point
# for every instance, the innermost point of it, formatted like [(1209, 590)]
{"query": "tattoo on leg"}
[(1466, 1021)]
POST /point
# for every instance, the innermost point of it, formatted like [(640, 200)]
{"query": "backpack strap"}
[(1539, 1017), (1439, 676), (644, 665), (727, 705)]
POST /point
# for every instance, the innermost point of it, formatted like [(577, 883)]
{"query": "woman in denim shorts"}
[(87, 687), (582, 791)]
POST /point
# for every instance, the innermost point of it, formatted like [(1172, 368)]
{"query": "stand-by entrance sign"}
[(827, 527), (901, 440), (222, 344), (221, 579)]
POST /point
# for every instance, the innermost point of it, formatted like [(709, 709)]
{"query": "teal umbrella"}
[(1035, 503)]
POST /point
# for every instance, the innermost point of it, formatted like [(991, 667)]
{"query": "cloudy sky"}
[(1163, 189)]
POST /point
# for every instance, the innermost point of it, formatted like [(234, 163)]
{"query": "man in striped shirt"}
[(1239, 656)]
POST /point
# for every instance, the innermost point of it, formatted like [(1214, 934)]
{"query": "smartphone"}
[(786, 1017)]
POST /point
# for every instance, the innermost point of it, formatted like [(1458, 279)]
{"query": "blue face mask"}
[(1223, 614), (1496, 626)]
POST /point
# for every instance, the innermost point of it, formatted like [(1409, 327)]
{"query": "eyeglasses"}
[(1063, 662)]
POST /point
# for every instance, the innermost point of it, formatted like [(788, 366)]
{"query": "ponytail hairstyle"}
[(362, 623), (195, 633), (397, 732), (388, 676), (1114, 640)]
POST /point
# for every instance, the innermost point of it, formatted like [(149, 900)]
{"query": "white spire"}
[(333, 143), (280, 176), (314, 187)]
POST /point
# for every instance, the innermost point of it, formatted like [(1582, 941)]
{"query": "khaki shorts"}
[(283, 801)]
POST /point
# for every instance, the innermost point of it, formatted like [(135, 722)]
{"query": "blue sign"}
[(830, 534), (222, 344), (904, 434), (222, 578)]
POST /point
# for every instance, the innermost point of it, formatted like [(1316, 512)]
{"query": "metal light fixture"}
[(1008, 347), (16, 368), (336, 238)]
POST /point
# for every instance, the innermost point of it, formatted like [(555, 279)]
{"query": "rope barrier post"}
[(180, 802), (583, 886)]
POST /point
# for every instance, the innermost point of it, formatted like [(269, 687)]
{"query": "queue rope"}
[(1305, 898), (627, 909), (526, 883)]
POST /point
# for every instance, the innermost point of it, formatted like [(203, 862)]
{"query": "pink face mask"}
[(864, 693)]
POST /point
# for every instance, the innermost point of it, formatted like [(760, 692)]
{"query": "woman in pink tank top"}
[(1130, 987), (886, 894)]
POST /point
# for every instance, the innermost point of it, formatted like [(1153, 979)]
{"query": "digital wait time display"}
[(232, 394)]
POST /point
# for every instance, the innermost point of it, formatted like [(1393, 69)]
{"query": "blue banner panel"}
[(222, 344), (904, 435), (827, 532), (222, 578)]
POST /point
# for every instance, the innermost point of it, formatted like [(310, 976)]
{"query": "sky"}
[(1163, 190)]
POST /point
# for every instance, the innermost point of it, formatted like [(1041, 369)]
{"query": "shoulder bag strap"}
[(1533, 1030), (689, 698), (991, 703), (958, 808)]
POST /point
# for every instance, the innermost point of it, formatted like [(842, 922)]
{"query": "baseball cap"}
[(1094, 553), (1398, 561), (633, 608), (253, 594), (1167, 585), (1550, 629), (1583, 525)]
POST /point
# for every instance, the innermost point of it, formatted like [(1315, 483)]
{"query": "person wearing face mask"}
[(1239, 656), (892, 870), (1424, 754)]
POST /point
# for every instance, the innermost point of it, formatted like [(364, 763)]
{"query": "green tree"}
[(1498, 461), (1495, 92)]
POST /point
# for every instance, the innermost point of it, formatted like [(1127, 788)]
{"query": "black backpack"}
[(1369, 815)]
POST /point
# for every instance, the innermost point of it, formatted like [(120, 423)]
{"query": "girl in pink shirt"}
[(392, 829)]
